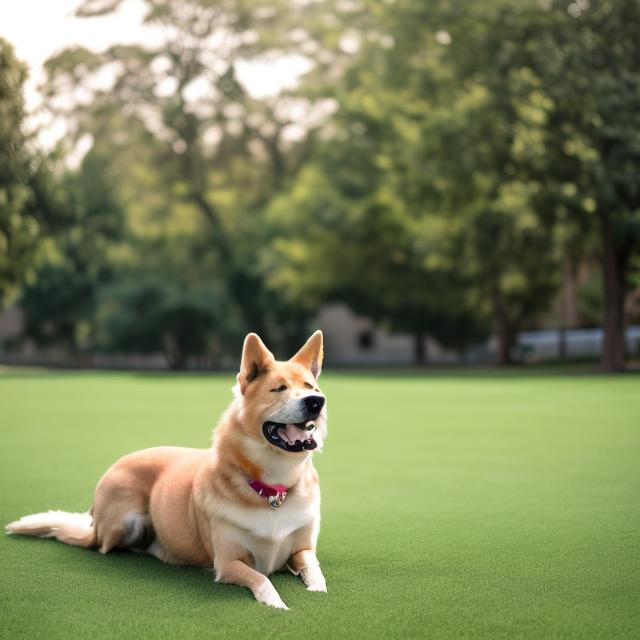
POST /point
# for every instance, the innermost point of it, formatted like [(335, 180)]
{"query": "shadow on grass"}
[(142, 571)]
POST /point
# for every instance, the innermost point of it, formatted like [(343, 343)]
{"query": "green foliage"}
[(592, 76), (165, 298), (59, 296), (437, 166), (152, 313), (417, 209), (218, 155), (20, 220)]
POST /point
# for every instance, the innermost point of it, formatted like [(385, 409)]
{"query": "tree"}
[(437, 166), (342, 242), (59, 298), (224, 152), (24, 182), (154, 307), (589, 60), (426, 162), (584, 60)]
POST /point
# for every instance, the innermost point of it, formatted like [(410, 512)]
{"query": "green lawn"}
[(453, 506)]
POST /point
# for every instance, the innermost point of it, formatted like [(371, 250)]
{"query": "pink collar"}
[(275, 494)]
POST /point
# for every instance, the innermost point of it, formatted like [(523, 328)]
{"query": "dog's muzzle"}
[(294, 437), (291, 426)]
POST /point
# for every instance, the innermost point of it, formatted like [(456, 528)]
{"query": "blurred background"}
[(428, 182)]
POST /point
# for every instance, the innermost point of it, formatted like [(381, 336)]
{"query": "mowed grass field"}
[(454, 506)]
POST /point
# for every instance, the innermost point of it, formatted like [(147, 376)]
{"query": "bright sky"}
[(40, 28)]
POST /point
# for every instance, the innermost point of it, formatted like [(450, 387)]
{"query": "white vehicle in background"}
[(539, 346)]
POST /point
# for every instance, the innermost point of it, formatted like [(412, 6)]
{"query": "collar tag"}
[(274, 495), (275, 502)]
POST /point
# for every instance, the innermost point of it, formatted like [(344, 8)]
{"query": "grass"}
[(457, 506)]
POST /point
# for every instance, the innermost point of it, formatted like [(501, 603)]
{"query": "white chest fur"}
[(268, 533)]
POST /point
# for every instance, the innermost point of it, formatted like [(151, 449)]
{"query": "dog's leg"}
[(305, 564), (237, 572)]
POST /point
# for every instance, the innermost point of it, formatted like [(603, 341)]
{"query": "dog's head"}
[(282, 404)]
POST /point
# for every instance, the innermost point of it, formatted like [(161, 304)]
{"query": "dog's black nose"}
[(313, 404)]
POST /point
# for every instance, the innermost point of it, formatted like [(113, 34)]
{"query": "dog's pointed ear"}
[(311, 354), (256, 360)]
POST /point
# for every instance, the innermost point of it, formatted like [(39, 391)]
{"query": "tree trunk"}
[(419, 348), (173, 353), (613, 279), (567, 308), (506, 339), (504, 326), (245, 288)]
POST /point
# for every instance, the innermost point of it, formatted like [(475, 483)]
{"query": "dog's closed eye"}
[(281, 388)]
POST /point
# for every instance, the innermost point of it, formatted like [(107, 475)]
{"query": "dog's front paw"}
[(267, 594), (313, 578), (318, 586)]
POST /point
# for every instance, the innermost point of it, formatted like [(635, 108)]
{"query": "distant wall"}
[(354, 340)]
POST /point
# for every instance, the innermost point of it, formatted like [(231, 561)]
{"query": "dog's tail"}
[(70, 528)]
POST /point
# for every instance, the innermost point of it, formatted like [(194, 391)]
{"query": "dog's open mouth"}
[(290, 437)]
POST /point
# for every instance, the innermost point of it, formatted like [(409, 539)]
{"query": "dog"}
[(246, 507)]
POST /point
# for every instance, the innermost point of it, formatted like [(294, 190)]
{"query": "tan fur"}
[(199, 502)]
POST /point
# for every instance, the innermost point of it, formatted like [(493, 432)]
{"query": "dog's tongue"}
[(290, 433)]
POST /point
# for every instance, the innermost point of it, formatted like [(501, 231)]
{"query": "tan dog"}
[(248, 506)]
